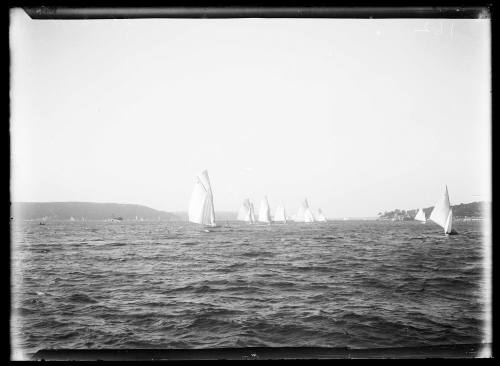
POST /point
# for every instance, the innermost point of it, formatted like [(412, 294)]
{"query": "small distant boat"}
[(280, 214), (71, 218), (321, 217), (264, 211), (442, 213), (299, 216), (245, 213), (308, 215), (304, 213), (42, 223), (117, 219), (201, 204), (420, 216)]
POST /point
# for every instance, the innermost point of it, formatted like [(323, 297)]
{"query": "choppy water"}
[(359, 284)]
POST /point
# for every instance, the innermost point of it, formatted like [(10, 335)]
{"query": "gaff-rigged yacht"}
[(201, 204)]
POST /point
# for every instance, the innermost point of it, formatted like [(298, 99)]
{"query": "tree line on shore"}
[(463, 210)]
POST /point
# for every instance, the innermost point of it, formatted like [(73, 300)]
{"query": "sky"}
[(358, 115)]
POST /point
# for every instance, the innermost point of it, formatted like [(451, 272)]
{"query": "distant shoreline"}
[(100, 211)]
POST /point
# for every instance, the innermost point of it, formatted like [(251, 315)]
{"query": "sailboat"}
[(308, 215), (280, 215), (71, 218), (299, 216), (264, 211), (245, 212), (201, 204), (304, 213), (420, 216), (442, 213), (321, 217)]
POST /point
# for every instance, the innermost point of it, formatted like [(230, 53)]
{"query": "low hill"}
[(86, 210)]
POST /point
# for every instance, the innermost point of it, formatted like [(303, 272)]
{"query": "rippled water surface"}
[(159, 285)]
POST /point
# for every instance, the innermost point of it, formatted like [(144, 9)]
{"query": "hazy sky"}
[(359, 116)]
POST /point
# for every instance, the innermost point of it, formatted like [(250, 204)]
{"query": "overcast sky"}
[(359, 116)]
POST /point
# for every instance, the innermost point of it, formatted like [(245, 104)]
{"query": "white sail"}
[(280, 214), (264, 211), (308, 215), (304, 214), (201, 206), (420, 216), (244, 213), (321, 217), (252, 213), (441, 214), (71, 218), (299, 217)]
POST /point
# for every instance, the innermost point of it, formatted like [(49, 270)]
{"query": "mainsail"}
[(441, 214), (321, 217), (420, 216), (308, 215), (280, 214), (245, 211), (299, 217), (201, 205), (264, 211)]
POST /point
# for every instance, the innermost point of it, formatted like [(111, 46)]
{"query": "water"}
[(359, 284)]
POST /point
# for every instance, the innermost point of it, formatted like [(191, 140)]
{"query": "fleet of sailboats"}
[(201, 209)]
